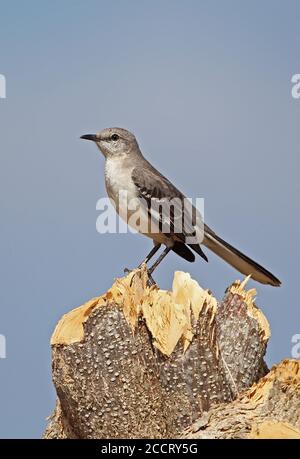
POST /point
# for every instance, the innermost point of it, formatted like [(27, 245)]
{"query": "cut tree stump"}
[(140, 362)]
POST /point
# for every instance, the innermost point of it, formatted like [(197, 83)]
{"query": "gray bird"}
[(126, 169)]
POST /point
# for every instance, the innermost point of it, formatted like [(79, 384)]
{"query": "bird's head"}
[(114, 141)]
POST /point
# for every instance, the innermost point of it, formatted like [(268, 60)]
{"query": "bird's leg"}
[(159, 260), (148, 258), (150, 254)]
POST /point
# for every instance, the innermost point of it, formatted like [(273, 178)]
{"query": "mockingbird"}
[(126, 170)]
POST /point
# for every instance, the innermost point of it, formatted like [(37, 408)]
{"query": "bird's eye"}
[(114, 137)]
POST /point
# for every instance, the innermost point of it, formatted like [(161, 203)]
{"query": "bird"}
[(127, 170)]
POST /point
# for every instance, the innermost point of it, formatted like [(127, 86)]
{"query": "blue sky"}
[(205, 86)]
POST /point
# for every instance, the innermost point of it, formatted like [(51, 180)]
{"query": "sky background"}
[(206, 88)]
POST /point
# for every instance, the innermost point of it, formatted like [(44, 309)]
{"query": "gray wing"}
[(166, 205), (153, 187)]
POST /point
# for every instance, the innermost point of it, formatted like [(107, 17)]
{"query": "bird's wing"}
[(154, 188), (166, 205)]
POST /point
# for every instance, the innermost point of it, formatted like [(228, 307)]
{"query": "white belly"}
[(122, 191), (118, 182)]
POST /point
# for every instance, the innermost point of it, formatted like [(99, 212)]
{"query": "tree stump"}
[(140, 362)]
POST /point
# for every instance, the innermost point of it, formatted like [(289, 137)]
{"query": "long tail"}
[(238, 260)]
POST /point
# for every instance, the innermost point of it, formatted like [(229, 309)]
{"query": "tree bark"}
[(269, 409), (139, 362)]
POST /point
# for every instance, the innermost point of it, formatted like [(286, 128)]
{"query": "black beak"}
[(92, 137)]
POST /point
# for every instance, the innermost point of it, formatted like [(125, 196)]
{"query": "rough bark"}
[(140, 362), (269, 409)]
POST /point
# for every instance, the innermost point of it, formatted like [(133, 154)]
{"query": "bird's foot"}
[(150, 281)]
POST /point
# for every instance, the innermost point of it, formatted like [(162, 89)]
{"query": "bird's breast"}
[(119, 185), (122, 191)]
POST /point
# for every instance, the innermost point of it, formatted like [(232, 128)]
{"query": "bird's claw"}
[(150, 281)]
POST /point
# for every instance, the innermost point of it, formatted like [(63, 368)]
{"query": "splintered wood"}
[(168, 315)]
